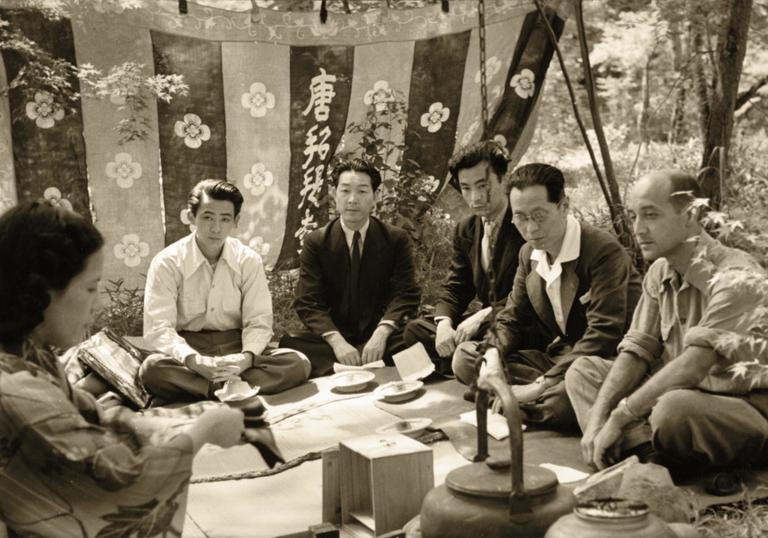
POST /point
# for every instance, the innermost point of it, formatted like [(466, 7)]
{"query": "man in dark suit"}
[(574, 283), (357, 284), (485, 249)]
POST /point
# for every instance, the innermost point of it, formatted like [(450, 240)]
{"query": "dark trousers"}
[(423, 330), (170, 381), (321, 354), (552, 409)]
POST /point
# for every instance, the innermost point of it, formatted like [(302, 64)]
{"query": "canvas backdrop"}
[(271, 94)]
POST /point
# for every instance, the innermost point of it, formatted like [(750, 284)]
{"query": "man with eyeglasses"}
[(575, 286)]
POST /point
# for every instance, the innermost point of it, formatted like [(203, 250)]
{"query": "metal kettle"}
[(490, 498)]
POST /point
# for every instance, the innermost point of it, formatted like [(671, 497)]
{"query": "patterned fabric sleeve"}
[(53, 431)]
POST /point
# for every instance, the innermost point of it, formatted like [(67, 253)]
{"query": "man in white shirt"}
[(208, 311), (575, 286)]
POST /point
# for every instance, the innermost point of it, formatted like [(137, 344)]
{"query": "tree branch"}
[(745, 96)]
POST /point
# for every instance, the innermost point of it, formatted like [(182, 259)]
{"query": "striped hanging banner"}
[(48, 145), (271, 95)]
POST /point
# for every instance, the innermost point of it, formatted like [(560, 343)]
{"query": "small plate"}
[(352, 381), (398, 391), (236, 391), (412, 427)]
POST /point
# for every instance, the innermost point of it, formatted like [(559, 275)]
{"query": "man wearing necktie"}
[(484, 259), (357, 284), (575, 284)]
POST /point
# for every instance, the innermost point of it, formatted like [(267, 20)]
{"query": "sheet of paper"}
[(338, 367), (565, 474), (413, 363), (497, 424)]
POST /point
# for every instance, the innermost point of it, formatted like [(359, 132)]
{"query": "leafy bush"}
[(123, 311)]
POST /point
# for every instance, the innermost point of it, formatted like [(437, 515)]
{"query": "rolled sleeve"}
[(644, 336), (257, 307)]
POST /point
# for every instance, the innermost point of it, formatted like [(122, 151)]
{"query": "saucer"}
[(352, 380), (412, 427), (398, 391)]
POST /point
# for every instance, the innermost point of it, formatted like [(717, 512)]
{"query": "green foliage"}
[(129, 88), (406, 192), (123, 310), (282, 286)]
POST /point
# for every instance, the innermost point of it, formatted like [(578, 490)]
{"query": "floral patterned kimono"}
[(69, 468)]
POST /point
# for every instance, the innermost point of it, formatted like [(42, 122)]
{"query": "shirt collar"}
[(194, 257), (570, 249), (350, 233), (698, 273)]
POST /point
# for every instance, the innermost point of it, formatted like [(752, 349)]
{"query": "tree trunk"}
[(731, 46), (678, 112)]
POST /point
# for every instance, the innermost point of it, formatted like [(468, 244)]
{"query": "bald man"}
[(670, 395)]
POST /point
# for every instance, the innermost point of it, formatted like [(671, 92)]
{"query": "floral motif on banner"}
[(524, 83), (124, 170), (431, 183), (44, 110), (192, 130), (131, 250), (434, 118), (492, 67), (258, 100), (258, 245), (258, 179), (53, 195), (379, 96), (501, 139)]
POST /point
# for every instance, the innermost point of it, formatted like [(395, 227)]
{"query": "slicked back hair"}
[(471, 155), (217, 189), (356, 165), (546, 175)]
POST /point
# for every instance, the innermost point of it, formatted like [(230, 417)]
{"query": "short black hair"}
[(42, 248), (218, 189), (489, 151), (356, 165), (546, 175), (683, 189)]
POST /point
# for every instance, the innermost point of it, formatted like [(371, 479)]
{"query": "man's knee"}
[(674, 412), (415, 331), (463, 363), (578, 372), (297, 365), (152, 373)]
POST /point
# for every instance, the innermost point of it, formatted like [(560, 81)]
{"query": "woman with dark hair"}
[(68, 467)]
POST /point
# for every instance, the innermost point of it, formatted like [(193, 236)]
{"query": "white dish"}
[(398, 391), (412, 427), (236, 390), (352, 381)]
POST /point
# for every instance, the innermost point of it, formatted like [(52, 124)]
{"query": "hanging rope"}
[(483, 85)]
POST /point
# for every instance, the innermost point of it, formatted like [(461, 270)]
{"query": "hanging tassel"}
[(445, 6), (183, 8), (323, 12)]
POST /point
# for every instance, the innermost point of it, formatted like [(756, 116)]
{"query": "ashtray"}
[(352, 381), (398, 391), (412, 427), (235, 390)]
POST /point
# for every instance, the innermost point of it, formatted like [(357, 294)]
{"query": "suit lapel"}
[(537, 294), (569, 284), (478, 273), (370, 261), (338, 247), (503, 255)]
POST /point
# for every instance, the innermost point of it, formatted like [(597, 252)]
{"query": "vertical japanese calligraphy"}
[(320, 89)]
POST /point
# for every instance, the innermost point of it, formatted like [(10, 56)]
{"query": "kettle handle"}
[(515, 424)]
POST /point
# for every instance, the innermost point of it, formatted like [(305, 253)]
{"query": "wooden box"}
[(383, 480)]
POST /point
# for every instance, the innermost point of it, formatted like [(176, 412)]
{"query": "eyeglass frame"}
[(539, 220)]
